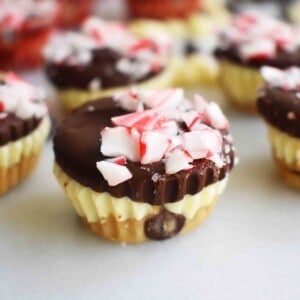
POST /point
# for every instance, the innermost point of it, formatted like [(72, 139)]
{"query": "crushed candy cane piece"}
[(139, 55), (113, 173), (167, 127), (177, 161), (185, 132), (120, 160), (200, 104), (164, 100), (134, 69), (142, 44), (21, 98), (129, 100), (202, 142), (288, 79), (216, 117), (118, 141), (258, 50), (192, 119), (144, 120), (23, 14), (257, 37), (153, 146)]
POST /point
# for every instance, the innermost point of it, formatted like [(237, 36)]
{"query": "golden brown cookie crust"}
[(132, 230)]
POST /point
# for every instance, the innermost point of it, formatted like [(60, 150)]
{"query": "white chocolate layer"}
[(286, 148), (240, 83), (94, 206)]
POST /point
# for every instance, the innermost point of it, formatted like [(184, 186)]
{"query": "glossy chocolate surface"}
[(13, 128), (281, 109), (77, 149), (102, 67)]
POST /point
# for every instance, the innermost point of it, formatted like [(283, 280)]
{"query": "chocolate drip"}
[(13, 128), (164, 225), (77, 149), (281, 60), (102, 67), (281, 109)]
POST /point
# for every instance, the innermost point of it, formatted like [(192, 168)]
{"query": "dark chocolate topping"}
[(102, 67), (163, 225), (282, 59), (77, 149), (190, 48), (281, 109), (13, 128)]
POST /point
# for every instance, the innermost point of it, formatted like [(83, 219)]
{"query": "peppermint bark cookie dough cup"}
[(147, 178), (105, 57), (279, 105), (24, 126), (248, 43), (25, 27)]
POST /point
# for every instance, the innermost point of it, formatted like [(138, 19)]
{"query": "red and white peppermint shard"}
[(153, 146), (166, 127), (203, 142), (129, 100), (192, 119), (177, 161), (143, 120), (163, 100), (120, 160), (113, 173), (23, 87), (102, 31), (200, 104), (120, 141), (246, 20), (142, 44), (216, 117), (288, 79), (272, 75), (259, 49)]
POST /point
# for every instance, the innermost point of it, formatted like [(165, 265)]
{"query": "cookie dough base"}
[(240, 84), (290, 175), (132, 230), (11, 176), (124, 220)]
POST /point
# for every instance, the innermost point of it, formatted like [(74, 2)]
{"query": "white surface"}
[(249, 248)]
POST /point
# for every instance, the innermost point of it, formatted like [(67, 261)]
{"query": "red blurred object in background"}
[(24, 30), (73, 12), (161, 9), (25, 52)]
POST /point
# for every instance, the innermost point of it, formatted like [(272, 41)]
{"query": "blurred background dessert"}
[(25, 26)]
